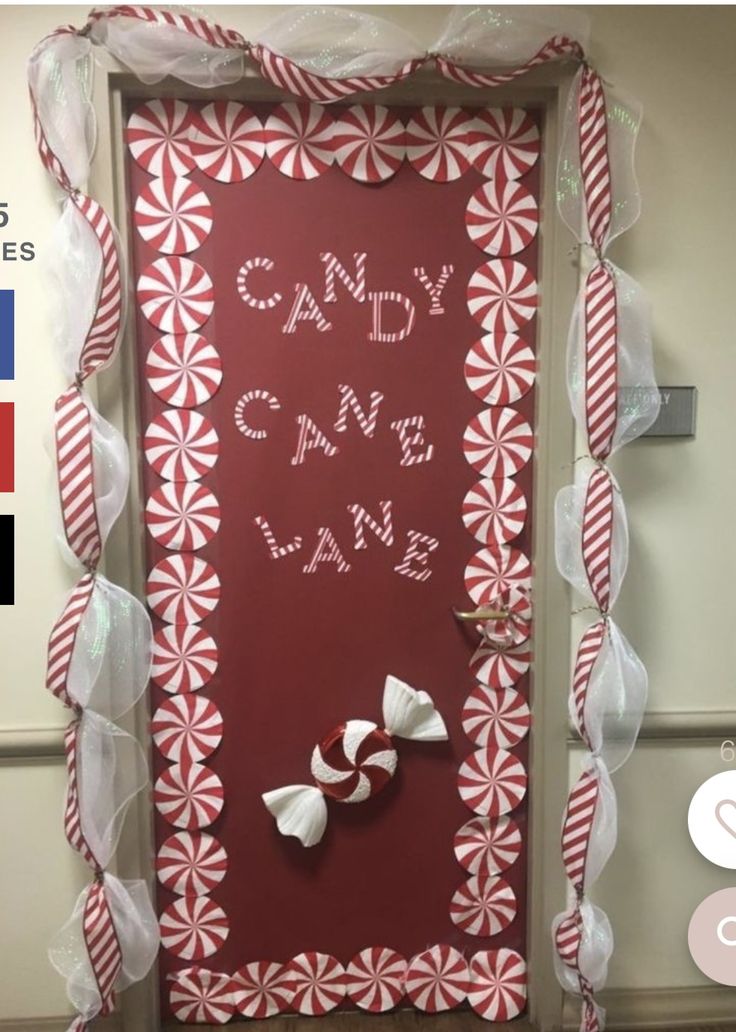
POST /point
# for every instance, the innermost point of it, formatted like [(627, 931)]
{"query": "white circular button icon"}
[(711, 821)]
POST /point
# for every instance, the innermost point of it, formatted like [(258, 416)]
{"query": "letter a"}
[(310, 437), (327, 551), (305, 309)]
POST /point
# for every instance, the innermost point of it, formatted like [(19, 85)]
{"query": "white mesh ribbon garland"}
[(355, 761), (614, 400), (99, 649)]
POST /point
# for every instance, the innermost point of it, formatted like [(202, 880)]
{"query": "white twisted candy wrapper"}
[(355, 761)]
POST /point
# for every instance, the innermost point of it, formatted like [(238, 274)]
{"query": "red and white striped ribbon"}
[(104, 332), (597, 536), (557, 48), (586, 658), (75, 472), (577, 827), (202, 28), (72, 817), (595, 167), (568, 937), (287, 75), (591, 1014), (63, 637), (601, 360), (103, 945)]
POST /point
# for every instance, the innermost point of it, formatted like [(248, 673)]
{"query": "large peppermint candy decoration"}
[(485, 846), (354, 762), (181, 445), (491, 782), (189, 796), (494, 511), (498, 442), (317, 982), (484, 905), (500, 368), (158, 137), (299, 140), (495, 569), (193, 927), (504, 142), (175, 295), (375, 979), (191, 863), (187, 728), (370, 142), (499, 718), (502, 295), (173, 215), (227, 141), (183, 370), (182, 516), (261, 989), (500, 668), (502, 218), (497, 984), (201, 997), (437, 143), (437, 979), (182, 589), (184, 658)]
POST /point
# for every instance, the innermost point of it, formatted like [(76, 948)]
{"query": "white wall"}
[(676, 605)]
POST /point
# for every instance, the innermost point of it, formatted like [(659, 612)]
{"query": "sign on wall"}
[(336, 322)]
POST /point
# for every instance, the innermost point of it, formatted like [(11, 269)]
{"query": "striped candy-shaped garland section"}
[(557, 48), (104, 332), (202, 28), (601, 360), (75, 473)]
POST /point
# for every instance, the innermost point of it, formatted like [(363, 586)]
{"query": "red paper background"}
[(300, 653)]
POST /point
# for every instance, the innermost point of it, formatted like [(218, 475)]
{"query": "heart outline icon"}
[(721, 820)]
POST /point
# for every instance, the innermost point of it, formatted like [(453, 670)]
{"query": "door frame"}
[(116, 396)]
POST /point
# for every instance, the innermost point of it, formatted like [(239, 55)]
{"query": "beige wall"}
[(676, 605)]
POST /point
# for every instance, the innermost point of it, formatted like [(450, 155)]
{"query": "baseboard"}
[(112, 1024), (634, 1009)]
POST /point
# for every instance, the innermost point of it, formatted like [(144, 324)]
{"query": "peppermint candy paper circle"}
[(369, 142), (191, 863), (502, 295), (500, 668), (184, 658), (181, 445), (182, 516), (183, 369), (173, 215), (497, 984), (189, 796), (158, 137), (491, 782), (375, 979), (494, 511), (299, 140), (498, 442), (502, 217), (201, 997), (484, 905), (500, 368), (504, 142), (317, 982), (187, 728), (437, 979), (483, 846), (496, 718), (355, 761), (261, 989), (175, 295), (493, 570), (182, 589), (437, 143), (193, 927), (226, 141)]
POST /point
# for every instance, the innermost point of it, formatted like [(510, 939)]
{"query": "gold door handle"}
[(478, 615)]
